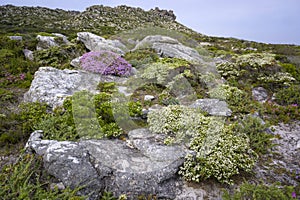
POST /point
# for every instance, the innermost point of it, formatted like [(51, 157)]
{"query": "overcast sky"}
[(269, 21)]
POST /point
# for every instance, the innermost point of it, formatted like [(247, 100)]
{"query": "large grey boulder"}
[(96, 43), (45, 42), (169, 47), (52, 86), (28, 54), (140, 166), (212, 106)]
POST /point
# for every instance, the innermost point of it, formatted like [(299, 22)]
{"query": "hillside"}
[(122, 103)]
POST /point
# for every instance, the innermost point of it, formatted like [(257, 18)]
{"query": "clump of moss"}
[(261, 192)]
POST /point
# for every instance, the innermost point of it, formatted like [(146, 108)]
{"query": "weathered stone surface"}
[(63, 37), (45, 42), (169, 47), (75, 62), (149, 97), (96, 43), (69, 162), (140, 166), (280, 166), (52, 86), (213, 106), (260, 94), (28, 54)]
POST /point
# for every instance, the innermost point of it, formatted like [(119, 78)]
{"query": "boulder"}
[(96, 43), (52, 86), (169, 47), (63, 37), (45, 42), (140, 166), (212, 106), (260, 94), (28, 54)]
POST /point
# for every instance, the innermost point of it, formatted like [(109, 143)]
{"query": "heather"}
[(105, 63)]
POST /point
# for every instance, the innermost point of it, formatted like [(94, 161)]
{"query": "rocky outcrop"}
[(140, 166), (169, 47), (212, 106), (96, 43), (283, 165), (45, 42), (52, 86)]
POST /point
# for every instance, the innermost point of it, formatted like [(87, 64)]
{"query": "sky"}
[(268, 21)]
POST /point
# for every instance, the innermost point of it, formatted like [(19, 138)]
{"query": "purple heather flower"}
[(294, 195), (106, 63), (295, 105), (22, 76)]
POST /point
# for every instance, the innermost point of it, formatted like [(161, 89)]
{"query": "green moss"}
[(141, 57), (260, 192), (288, 96)]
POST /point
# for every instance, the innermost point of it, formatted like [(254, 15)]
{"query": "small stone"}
[(260, 94), (15, 37), (59, 186), (28, 54), (214, 107), (149, 98)]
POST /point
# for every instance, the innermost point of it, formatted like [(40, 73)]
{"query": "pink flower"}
[(22, 76)]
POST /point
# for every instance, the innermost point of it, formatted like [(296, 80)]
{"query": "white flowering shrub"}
[(219, 151), (227, 156), (258, 68), (177, 119)]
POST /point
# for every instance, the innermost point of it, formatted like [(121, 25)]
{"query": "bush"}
[(255, 129), (288, 96), (219, 151), (105, 63)]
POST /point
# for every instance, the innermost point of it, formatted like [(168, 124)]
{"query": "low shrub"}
[(288, 96), (105, 63), (255, 129), (27, 180), (261, 192), (219, 152)]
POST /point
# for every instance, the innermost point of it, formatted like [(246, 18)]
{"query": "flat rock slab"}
[(140, 166), (212, 106), (169, 47), (52, 86)]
